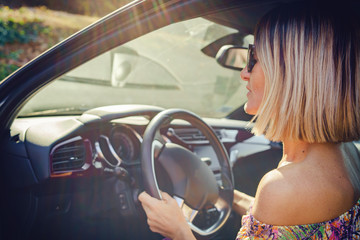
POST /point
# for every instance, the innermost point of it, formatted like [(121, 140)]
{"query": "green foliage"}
[(13, 55), (21, 32), (14, 30), (6, 69)]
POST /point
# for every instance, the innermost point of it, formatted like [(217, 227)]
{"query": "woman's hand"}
[(242, 202), (165, 217)]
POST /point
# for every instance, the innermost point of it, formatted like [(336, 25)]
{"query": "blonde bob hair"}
[(310, 60)]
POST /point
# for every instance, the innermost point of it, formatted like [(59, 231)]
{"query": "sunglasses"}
[(237, 57), (251, 61)]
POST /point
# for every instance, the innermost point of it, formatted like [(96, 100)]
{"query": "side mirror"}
[(232, 56)]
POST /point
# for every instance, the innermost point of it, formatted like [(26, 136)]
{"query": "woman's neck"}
[(297, 151)]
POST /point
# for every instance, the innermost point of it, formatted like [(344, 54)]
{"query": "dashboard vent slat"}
[(69, 156), (193, 135)]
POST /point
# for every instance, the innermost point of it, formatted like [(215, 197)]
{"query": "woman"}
[(304, 90)]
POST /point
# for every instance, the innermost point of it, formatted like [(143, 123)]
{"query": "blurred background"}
[(30, 27), (85, 7)]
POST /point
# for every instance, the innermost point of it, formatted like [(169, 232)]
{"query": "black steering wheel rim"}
[(224, 202)]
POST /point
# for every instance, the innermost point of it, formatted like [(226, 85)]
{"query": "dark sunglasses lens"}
[(251, 58)]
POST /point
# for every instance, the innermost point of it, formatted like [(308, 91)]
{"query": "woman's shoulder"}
[(274, 198), (295, 194)]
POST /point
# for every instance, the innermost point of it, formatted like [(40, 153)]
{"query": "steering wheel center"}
[(194, 183), (191, 178)]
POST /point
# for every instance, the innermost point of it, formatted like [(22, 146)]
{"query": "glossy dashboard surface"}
[(106, 143), (71, 161)]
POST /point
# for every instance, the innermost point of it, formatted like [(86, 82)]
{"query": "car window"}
[(165, 68)]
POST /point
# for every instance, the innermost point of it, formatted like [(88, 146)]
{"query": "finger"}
[(146, 199), (166, 196), (147, 210), (154, 227), (142, 196)]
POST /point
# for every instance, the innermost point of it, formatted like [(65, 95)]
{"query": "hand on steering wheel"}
[(165, 217), (194, 184)]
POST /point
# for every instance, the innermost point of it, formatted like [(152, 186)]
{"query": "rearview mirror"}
[(232, 39), (232, 56)]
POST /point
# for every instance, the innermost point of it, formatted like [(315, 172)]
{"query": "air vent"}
[(69, 156), (192, 135)]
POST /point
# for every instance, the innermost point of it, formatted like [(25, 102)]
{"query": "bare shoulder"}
[(274, 198), (295, 195)]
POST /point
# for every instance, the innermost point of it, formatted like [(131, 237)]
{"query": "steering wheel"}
[(194, 184)]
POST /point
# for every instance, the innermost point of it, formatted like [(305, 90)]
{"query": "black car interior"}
[(78, 176)]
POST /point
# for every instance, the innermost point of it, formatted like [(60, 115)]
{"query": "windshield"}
[(165, 68)]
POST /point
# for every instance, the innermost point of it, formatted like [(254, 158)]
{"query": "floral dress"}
[(346, 226)]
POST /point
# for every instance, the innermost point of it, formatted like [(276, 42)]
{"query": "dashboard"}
[(60, 147), (67, 160)]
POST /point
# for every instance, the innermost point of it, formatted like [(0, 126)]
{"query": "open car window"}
[(166, 68)]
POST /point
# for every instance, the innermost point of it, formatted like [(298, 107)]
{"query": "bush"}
[(21, 32), (15, 31), (6, 69), (86, 7)]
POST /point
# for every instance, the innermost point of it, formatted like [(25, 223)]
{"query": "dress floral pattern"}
[(346, 226)]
